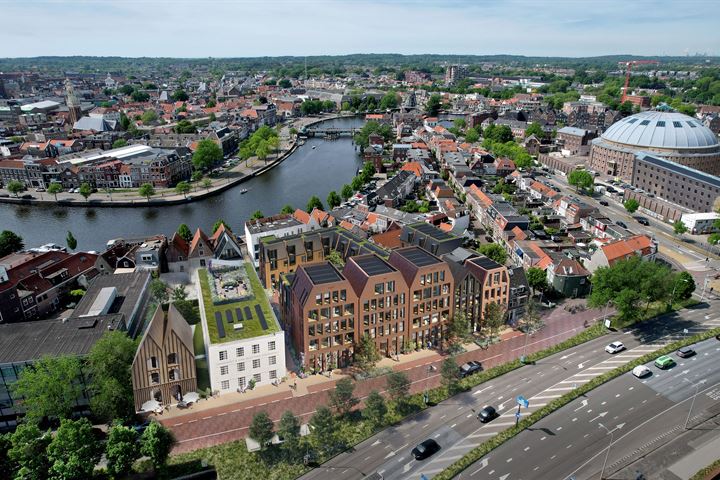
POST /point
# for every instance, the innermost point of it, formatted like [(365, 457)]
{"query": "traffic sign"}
[(518, 414), (522, 401)]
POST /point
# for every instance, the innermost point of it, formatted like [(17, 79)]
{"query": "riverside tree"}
[(54, 189), (207, 154), (146, 190), (10, 242), (86, 190)]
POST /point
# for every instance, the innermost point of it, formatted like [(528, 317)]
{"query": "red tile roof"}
[(636, 245)]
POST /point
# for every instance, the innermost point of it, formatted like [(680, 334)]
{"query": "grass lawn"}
[(251, 328), (655, 309)]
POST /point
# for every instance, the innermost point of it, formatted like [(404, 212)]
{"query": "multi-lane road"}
[(453, 423), (637, 415)]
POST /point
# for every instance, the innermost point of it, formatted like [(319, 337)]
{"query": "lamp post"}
[(692, 404), (672, 296), (607, 453)]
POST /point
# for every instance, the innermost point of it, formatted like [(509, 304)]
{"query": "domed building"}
[(664, 133)]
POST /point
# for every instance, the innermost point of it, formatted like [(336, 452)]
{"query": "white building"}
[(243, 339), (699, 223), (276, 226)]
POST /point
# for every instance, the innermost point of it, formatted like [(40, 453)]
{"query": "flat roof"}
[(418, 257), (680, 169), (373, 265), (323, 273), (269, 224), (431, 231)]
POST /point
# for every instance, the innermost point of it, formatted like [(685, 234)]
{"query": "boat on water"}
[(314, 147), (244, 190)]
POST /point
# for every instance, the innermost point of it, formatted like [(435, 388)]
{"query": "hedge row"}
[(704, 474), (483, 449)]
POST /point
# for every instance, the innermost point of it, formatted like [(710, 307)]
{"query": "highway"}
[(453, 423), (639, 414)]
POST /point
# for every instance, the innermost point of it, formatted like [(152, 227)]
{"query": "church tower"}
[(72, 102)]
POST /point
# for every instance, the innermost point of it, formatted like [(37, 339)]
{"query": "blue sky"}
[(240, 28)]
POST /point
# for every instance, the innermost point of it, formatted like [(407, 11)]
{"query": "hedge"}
[(704, 474), (486, 447)]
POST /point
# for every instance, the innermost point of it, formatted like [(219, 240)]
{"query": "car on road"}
[(615, 347), (685, 352), (487, 414), (664, 362), (641, 371), (425, 449), (604, 203), (27, 196), (469, 368), (621, 224), (717, 337), (642, 221)]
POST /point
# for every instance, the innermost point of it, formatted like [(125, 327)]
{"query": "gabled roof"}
[(199, 240), (567, 267), (635, 245)]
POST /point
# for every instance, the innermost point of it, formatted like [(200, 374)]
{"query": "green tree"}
[(185, 126), (285, 83), (581, 180), (626, 108), (149, 117), (73, 451), (184, 232), (10, 242), (196, 176), (86, 190), (494, 317), (50, 387), (494, 252), (257, 215), (679, 227), (398, 386), (207, 183), (346, 192), (159, 290), (287, 209), (537, 279), (450, 375), (180, 95), (336, 259), (375, 409), (534, 129), (471, 136), (366, 354), (182, 188), (156, 443), (121, 450), (289, 430), (29, 452), (54, 189), (333, 199), (684, 286), (147, 190), (138, 96), (531, 317), (7, 465), (261, 429), (219, 222), (313, 203), (342, 399), (362, 137), (110, 368), (458, 330), (631, 205), (432, 107), (126, 89), (389, 101), (324, 429), (263, 150), (15, 187), (119, 143), (713, 239), (71, 241), (207, 154), (178, 294)]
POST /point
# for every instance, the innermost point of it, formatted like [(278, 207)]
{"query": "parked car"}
[(685, 352), (469, 368), (621, 224), (487, 414), (40, 189), (641, 371), (425, 449), (604, 203), (4, 195), (27, 196), (664, 362), (642, 221), (615, 347)]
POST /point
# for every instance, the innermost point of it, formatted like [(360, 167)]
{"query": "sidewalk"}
[(227, 417)]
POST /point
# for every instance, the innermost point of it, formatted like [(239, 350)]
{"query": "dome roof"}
[(656, 129)]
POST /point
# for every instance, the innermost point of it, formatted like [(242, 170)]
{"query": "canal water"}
[(308, 171)]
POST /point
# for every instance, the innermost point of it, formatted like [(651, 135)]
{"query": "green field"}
[(251, 328)]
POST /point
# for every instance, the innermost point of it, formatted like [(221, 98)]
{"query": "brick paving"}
[(212, 426)]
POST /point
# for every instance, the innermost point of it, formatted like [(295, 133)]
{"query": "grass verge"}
[(502, 437), (704, 474)]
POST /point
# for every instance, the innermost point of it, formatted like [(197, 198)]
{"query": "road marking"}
[(375, 443), (508, 460), (483, 464), (542, 438), (558, 389), (468, 415), (443, 417), (583, 404), (480, 391), (606, 367), (453, 425), (554, 395), (526, 449), (483, 434)]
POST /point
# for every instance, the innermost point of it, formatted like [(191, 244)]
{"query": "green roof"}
[(251, 327)]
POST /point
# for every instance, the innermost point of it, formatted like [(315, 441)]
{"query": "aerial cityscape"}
[(359, 240)]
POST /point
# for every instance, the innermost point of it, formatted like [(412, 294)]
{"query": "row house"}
[(610, 253), (573, 209), (603, 227), (542, 192)]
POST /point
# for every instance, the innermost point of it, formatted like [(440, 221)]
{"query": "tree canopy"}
[(10, 242), (110, 367), (494, 252), (147, 190), (207, 154), (581, 179), (313, 203), (74, 450), (382, 129), (631, 205)]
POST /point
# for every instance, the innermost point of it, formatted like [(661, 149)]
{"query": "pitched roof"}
[(302, 216), (638, 244), (198, 240)]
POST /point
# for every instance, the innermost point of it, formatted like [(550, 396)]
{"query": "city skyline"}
[(160, 28)]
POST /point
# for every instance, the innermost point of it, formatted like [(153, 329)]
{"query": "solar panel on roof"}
[(220, 326), (373, 265), (419, 257), (238, 314), (261, 317), (248, 313), (229, 316), (322, 274)]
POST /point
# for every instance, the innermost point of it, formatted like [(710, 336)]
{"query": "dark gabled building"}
[(430, 238), (519, 294)]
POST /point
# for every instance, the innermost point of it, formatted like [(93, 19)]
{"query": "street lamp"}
[(692, 404), (672, 296), (607, 453)]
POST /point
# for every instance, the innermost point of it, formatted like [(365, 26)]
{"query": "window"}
[(172, 358), (223, 354), (241, 367), (240, 351), (272, 360), (257, 377), (154, 378), (273, 374), (379, 288), (225, 384), (271, 346), (174, 374), (224, 370), (256, 348), (256, 363), (241, 382), (660, 123), (153, 363)]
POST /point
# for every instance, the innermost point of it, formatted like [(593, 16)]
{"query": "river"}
[(305, 173)]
